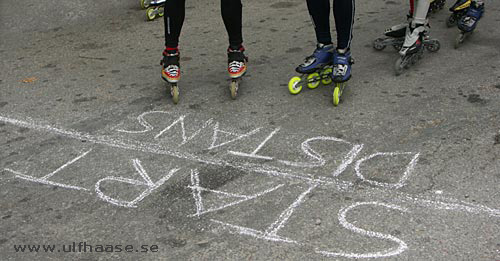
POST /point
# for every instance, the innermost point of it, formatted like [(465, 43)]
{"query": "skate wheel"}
[(326, 76), (150, 13), (313, 80), (145, 4), (397, 47), (161, 11), (294, 86), (451, 21), (460, 39), (378, 44), (337, 92), (234, 89), (434, 46), (174, 92), (399, 66)]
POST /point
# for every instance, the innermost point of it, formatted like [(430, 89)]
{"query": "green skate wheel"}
[(174, 92), (161, 11), (234, 89), (313, 80), (294, 86), (150, 13), (145, 4), (336, 94), (326, 78)]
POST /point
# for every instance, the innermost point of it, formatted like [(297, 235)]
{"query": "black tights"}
[(174, 18), (343, 12)]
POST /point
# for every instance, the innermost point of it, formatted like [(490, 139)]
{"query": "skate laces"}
[(236, 59), (172, 70), (340, 69)]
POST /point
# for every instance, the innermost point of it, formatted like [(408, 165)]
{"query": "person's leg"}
[(319, 10), (417, 27), (420, 12), (343, 11), (174, 19), (232, 16)]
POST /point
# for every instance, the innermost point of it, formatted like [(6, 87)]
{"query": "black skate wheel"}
[(378, 44), (433, 46), (451, 21)]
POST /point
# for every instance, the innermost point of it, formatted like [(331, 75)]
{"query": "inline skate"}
[(468, 22), (342, 62), (395, 35), (237, 67), (458, 10), (171, 71), (416, 40), (155, 8), (316, 68)]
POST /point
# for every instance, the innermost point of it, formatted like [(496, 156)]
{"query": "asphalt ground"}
[(93, 150)]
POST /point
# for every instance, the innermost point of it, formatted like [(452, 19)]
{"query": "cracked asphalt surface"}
[(93, 149)]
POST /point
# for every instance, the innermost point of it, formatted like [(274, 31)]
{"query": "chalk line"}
[(409, 168), (346, 224), (249, 167), (314, 155), (44, 179), (197, 189), (254, 153), (157, 149), (147, 126), (215, 136), (147, 182), (285, 215), (254, 233)]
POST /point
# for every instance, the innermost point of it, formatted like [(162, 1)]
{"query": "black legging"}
[(343, 11), (174, 18)]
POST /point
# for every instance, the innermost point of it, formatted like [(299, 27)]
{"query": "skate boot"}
[(394, 36), (458, 10), (342, 62), (315, 69), (171, 71), (469, 21), (155, 8), (417, 37), (237, 67)]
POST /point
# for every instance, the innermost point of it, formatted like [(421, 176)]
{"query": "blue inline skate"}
[(342, 62), (315, 69), (467, 23)]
